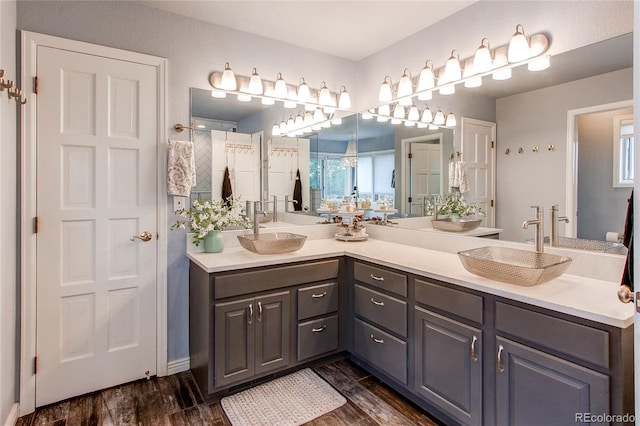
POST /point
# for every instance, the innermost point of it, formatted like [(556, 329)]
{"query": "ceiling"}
[(351, 29)]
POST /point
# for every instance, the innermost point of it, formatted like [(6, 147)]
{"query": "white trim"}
[(178, 366), (404, 169), (29, 44), (616, 179), (571, 190), (13, 415)]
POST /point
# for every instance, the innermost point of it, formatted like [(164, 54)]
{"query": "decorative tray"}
[(346, 237)]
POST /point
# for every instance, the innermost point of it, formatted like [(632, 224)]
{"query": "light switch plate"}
[(179, 203)]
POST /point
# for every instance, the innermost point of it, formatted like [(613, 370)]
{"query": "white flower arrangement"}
[(205, 216)]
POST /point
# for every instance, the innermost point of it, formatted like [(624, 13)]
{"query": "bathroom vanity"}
[(466, 349)]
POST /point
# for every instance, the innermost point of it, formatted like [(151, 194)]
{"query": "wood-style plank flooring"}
[(175, 400)]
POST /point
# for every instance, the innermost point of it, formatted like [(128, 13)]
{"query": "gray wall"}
[(194, 49), (9, 218), (601, 207), (540, 118)]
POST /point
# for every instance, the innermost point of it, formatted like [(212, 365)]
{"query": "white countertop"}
[(587, 298)]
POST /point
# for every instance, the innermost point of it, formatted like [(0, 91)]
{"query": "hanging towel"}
[(393, 178), (297, 193), (452, 175), (627, 274), (227, 191), (461, 178), (181, 168)]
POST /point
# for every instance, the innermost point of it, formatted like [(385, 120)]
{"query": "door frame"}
[(29, 43), (405, 168), (571, 190)]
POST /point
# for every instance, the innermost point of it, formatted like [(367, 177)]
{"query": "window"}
[(623, 142), (375, 175), (329, 176)]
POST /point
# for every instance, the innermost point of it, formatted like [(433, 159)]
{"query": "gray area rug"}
[(290, 400)]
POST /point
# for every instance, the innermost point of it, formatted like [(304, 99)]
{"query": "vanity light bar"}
[(304, 122), (427, 118), (279, 91), (536, 58)]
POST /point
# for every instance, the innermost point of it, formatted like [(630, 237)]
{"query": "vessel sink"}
[(272, 242), (513, 266), (455, 225)]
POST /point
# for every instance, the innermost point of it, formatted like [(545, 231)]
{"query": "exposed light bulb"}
[(228, 80), (482, 58), (243, 97), (280, 88), (255, 83), (218, 94), (304, 94), (385, 94), (518, 46)]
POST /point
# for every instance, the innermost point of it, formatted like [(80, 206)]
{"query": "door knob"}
[(145, 236), (625, 294)]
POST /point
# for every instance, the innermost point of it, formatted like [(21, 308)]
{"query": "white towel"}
[(461, 178), (181, 168)]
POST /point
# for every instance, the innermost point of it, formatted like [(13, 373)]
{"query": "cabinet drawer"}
[(580, 341), (456, 302), (317, 300), (381, 349), (381, 278), (317, 337), (236, 284), (383, 310)]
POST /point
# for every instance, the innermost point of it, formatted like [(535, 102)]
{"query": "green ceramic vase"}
[(213, 242)]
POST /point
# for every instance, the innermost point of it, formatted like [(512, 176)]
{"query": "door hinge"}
[(493, 144), (36, 225), (491, 203), (35, 364), (35, 85), (410, 199), (410, 155)]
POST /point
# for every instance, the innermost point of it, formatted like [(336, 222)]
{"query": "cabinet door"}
[(272, 332), (449, 366), (234, 338), (535, 388)]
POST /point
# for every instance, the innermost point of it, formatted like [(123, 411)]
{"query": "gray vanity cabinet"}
[(252, 337), (448, 365), (536, 388)]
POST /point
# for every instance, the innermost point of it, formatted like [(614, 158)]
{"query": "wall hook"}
[(535, 148), (7, 85), (551, 147), (520, 150), (507, 151)]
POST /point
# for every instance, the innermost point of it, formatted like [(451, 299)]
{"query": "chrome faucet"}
[(554, 225), (539, 224), (258, 208), (287, 201)]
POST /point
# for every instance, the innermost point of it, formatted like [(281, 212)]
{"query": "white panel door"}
[(425, 173), (478, 151), (286, 156), (241, 153), (96, 189)]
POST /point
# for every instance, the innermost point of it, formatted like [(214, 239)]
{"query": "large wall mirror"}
[(381, 168)]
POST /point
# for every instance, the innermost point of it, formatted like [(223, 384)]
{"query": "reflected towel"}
[(227, 191), (181, 168), (627, 274), (297, 193), (452, 175), (461, 177)]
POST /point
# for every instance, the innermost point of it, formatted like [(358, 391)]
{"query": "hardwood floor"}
[(175, 400)]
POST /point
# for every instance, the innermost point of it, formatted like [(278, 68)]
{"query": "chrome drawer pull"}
[(377, 340), (375, 302), (319, 296), (318, 330), (474, 355), (250, 313), (259, 311), (499, 360), (374, 277)]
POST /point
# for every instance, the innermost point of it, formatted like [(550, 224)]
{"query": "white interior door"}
[(241, 153), (478, 151), (286, 156), (425, 173), (96, 189)]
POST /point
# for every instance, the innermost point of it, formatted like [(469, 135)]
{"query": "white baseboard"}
[(13, 415), (178, 366)]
